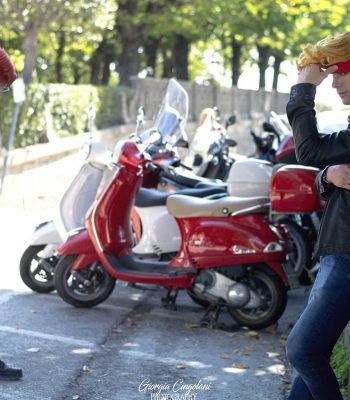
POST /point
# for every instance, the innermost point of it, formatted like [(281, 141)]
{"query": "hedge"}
[(340, 364), (62, 107)]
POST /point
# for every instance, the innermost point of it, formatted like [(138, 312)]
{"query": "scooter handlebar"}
[(149, 165), (185, 166)]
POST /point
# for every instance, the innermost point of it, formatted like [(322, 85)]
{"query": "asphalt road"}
[(129, 347)]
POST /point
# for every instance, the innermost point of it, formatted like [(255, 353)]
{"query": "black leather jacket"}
[(319, 150)]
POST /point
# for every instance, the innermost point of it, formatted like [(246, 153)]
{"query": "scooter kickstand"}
[(169, 301), (211, 315)]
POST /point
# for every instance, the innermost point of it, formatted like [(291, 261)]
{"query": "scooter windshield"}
[(172, 116), (279, 124), (170, 122)]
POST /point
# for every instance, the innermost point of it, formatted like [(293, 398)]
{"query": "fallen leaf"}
[(283, 336), (252, 335), (244, 353), (131, 322), (191, 325), (272, 328), (239, 366)]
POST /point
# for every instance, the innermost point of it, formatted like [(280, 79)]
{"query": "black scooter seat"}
[(191, 181), (131, 265), (151, 198)]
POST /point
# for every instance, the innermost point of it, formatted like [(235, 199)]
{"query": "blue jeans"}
[(311, 341)]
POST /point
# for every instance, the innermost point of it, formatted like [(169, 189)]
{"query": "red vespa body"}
[(235, 242), (229, 256)]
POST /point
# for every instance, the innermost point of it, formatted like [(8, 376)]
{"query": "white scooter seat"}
[(184, 206)]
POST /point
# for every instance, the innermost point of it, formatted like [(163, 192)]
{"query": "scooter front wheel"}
[(273, 300), (86, 287), (35, 271)]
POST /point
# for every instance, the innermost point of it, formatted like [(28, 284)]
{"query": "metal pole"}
[(10, 143)]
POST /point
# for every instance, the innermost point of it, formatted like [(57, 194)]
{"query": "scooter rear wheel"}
[(273, 296), (33, 271), (86, 287), (300, 255)]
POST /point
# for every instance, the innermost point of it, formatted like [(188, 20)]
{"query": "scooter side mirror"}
[(198, 160), (230, 142), (182, 143), (267, 127), (230, 121)]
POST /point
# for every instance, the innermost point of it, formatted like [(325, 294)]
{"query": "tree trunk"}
[(76, 75), (108, 57), (168, 66), (30, 49), (95, 69), (263, 64), (236, 61), (96, 64), (151, 49), (128, 63), (180, 57), (130, 36), (59, 54), (276, 70)]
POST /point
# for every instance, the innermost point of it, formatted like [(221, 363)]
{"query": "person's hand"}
[(339, 175), (314, 74)]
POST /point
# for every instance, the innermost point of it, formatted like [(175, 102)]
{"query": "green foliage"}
[(62, 107), (340, 363)]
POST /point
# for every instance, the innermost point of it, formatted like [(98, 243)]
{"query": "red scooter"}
[(230, 256)]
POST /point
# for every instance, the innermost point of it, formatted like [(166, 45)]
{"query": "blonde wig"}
[(329, 51)]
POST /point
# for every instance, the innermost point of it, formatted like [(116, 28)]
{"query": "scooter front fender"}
[(45, 233), (280, 271), (81, 245)]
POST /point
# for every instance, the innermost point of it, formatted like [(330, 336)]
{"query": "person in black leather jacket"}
[(311, 341)]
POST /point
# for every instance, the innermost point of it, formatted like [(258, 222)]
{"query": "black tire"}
[(74, 291), (34, 272), (300, 256), (273, 293)]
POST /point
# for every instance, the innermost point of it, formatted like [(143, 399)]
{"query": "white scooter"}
[(38, 260)]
